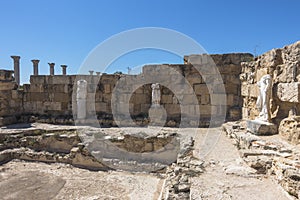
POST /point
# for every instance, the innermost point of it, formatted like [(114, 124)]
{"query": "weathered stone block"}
[(139, 90), (38, 96), (218, 99), (235, 113), (166, 99), (172, 109), (205, 109), (201, 89), (145, 108), (194, 79), (261, 128), (63, 88), (253, 90), (40, 79), (260, 73), (101, 107), (205, 99), (6, 93), (289, 129), (6, 75), (245, 113), (59, 79), (61, 97), (289, 92), (140, 99), (107, 88), (231, 88), (7, 85), (245, 90), (53, 106), (34, 87), (230, 69), (30, 107), (231, 78), (189, 100)]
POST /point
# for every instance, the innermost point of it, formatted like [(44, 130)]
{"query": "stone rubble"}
[(268, 155)]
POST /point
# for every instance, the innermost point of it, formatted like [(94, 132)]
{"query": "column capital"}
[(91, 72), (64, 66), (35, 61), (51, 64), (16, 58)]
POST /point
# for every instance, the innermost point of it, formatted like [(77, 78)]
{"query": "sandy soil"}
[(30, 180)]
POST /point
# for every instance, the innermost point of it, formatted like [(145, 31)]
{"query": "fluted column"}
[(64, 69), (35, 67), (51, 68), (17, 68)]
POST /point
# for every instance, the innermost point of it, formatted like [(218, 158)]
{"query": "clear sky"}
[(65, 31)]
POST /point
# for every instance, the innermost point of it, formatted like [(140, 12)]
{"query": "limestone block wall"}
[(284, 67), (229, 66), (48, 95), (55, 95), (10, 98)]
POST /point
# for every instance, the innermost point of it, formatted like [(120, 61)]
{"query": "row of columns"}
[(51, 65), (16, 60)]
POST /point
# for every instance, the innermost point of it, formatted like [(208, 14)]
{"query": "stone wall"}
[(51, 98), (284, 67), (10, 98)]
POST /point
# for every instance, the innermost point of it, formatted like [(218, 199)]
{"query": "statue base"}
[(157, 115), (258, 127)]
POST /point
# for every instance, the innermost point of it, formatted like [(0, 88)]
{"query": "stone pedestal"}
[(258, 127), (157, 115)]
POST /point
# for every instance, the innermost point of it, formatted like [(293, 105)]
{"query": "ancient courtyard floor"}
[(225, 176)]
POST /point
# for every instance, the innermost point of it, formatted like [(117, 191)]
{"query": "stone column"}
[(17, 68), (64, 69), (98, 73), (91, 72), (35, 67), (51, 68)]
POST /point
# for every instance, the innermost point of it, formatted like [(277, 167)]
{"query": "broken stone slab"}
[(289, 92), (258, 127)]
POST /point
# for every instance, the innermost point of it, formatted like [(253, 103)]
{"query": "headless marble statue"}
[(81, 95), (156, 95), (263, 100)]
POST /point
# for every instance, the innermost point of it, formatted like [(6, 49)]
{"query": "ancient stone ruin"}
[(157, 131)]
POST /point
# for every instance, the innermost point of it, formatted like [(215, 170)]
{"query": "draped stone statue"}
[(263, 100), (156, 95), (81, 95)]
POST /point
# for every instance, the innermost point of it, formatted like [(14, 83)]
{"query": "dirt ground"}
[(226, 177), (32, 180)]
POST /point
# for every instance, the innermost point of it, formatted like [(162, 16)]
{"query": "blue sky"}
[(65, 31)]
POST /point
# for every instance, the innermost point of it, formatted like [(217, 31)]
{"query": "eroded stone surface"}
[(258, 127), (289, 129), (268, 155), (289, 92)]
